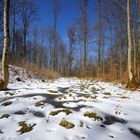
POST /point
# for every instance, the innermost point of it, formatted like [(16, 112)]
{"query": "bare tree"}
[(28, 13), (130, 74), (13, 13), (138, 9), (84, 12), (5, 71), (1, 24), (71, 35), (49, 36), (56, 11), (99, 39)]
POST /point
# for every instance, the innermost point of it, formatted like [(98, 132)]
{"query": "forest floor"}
[(67, 109)]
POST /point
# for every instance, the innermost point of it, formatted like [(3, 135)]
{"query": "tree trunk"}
[(13, 32), (138, 7), (5, 71), (135, 53), (99, 39), (132, 82), (130, 75), (85, 36), (24, 42)]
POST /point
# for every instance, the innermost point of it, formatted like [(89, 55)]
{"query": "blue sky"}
[(70, 11)]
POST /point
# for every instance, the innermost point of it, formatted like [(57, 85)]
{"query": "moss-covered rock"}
[(93, 115), (4, 116), (93, 88), (107, 93), (66, 124), (81, 124), (82, 87), (53, 91), (67, 111), (40, 104), (88, 96), (25, 127), (9, 93), (125, 97), (6, 103)]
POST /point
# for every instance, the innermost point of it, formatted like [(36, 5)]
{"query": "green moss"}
[(53, 91), (107, 93), (82, 87), (66, 124), (81, 124), (64, 97), (70, 90), (93, 88), (105, 97), (125, 97), (4, 116), (70, 94), (7, 103), (40, 104), (25, 127), (89, 96), (8, 93), (67, 111), (93, 115)]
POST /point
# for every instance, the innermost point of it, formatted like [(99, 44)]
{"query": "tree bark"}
[(138, 7), (85, 35), (130, 75), (99, 39), (5, 71)]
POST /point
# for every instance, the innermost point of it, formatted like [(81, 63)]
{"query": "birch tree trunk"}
[(5, 71), (130, 75)]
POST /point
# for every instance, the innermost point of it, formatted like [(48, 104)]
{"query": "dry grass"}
[(35, 69)]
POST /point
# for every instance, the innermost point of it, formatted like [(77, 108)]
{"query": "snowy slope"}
[(32, 101)]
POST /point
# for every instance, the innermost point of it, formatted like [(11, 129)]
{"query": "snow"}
[(120, 110)]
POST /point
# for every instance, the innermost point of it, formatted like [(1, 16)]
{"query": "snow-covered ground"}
[(114, 112)]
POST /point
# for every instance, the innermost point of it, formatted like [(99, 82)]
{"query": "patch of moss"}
[(40, 104), (70, 94), (6, 103), (125, 97), (81, 124), (4, 116), (25, 127), (93, 88), (93, 115), (9, 93), (107, 93), (66, 110), (119, 94), (82, 87), (64, 97), (70, 90), (53, 91), (105, 97), (66, 124), (89, 96)]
